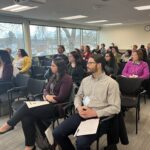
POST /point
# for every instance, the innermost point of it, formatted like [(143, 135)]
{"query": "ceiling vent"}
[(30, 2)]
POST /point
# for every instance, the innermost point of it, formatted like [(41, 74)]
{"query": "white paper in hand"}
[(49, 135), (87, 127), (86, 101), (32, 104)]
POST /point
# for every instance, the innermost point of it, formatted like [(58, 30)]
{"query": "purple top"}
[(141, 69), (62, 89)]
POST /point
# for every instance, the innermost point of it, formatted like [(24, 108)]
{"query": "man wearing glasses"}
[(98, 96)]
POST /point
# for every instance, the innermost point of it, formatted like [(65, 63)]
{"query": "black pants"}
[(69, 127), (28, 117)]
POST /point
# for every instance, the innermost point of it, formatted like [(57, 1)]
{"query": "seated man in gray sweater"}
[(98, 96)]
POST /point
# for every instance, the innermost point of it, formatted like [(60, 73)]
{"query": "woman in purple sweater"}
[(57, 91), (136, 68)]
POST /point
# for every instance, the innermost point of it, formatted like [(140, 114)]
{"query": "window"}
[(43, 40), (90, 38), (70, 38), (11, 37)]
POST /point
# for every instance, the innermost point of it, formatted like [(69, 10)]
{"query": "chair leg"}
[(137, 120), (138, 115), (138, 111), (144, 98), (97, 144), (57, 122), (53, 124), (10, 106)]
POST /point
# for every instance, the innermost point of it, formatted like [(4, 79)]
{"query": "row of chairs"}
[(41, 61), (21, 86), (38, 72)]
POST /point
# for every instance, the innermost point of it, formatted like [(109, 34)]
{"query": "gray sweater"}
[(103, 93)]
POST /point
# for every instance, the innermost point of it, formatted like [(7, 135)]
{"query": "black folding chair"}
[(38, 72), (33, 90), (19, 89), (99, 134), (4, 101), (130, 94)]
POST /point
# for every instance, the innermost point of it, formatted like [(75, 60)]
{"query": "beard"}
[(92, 70)]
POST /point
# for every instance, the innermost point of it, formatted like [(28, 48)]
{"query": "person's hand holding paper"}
[(85, 111)]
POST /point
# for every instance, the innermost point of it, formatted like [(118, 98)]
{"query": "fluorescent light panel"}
[(113, 24), (17, 8), (147, 7), (23, 8), (10, 7), (73, 17), (97, 21)]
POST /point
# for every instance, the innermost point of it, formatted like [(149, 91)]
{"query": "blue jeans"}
[(69, 127)]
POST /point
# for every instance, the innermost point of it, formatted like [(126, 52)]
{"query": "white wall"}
[(125, 35)]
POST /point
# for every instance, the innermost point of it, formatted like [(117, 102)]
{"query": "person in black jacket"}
[(6, 68), (143, 49), (111, 66), (75, 68)]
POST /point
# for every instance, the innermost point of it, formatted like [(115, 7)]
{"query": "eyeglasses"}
[(107, 56), (89, 63), (53, 66)]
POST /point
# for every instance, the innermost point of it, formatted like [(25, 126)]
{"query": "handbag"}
[(41, 139)]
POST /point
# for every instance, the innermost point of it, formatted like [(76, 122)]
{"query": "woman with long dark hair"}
[(22, 62), (57, 91), (6, 68), (75, 68), (143, 49), (116, 53), (126, 56), (111, 67), (87, 53)]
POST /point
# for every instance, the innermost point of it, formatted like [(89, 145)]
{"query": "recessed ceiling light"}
[(147, 7), (97, 21), (113, 24), (23, 8), (73, 17), (18, 8)]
